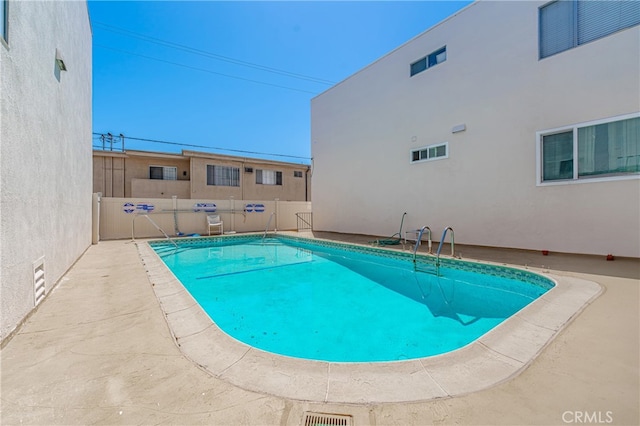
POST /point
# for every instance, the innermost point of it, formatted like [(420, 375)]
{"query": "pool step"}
[(429, 268), (270, 242)]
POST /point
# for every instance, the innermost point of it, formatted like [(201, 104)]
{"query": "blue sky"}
[(235, 77)]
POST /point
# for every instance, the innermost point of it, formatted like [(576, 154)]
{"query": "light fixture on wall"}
[(459, 128), (60, 61)]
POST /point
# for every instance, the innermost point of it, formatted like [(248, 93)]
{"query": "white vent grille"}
[(322, 419), (39, 289)]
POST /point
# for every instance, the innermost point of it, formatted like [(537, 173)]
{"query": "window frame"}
[(426, 149), (429, 60), (235, 176), (576, 179), (164, 168), (277, 176), (576, 28)]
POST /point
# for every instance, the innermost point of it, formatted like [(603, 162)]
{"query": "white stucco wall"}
[(46, 155), (362, 131)]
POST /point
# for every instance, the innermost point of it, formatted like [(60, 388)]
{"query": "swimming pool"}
[(342, 303)]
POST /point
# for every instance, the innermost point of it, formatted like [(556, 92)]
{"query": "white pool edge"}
[(499, 355)]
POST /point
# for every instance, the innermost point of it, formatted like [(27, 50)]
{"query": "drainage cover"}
[(322, 419)]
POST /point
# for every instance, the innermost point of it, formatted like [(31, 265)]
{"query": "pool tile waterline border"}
[(421, 259), (496, 357)]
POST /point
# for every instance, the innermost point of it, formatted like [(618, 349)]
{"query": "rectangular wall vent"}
[(322, 419), (39, 289), (248, 169)]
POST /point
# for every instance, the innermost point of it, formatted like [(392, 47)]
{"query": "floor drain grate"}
[(322, 419)]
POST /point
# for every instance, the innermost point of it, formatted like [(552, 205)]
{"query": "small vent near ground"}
[(322, 419), (38, 280)]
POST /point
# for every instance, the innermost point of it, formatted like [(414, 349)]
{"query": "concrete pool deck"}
[(99, 350)]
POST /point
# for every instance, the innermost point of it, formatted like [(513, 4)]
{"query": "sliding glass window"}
[(604, 149)]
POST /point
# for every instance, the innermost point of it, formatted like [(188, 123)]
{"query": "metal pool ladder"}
[(444, 234), (453, 250), (415, 249), (418, 240), (267, 227)]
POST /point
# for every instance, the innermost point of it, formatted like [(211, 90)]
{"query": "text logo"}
[(587, 417)]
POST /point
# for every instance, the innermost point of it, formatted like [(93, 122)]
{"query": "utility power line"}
[(204, 70), (101, 135), (195, 51)]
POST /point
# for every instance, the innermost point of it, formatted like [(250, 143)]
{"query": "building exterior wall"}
[(493, 82), (45, 121), (108, 174), (118, 174), (155, 188)]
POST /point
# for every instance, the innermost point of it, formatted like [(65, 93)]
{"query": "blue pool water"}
[(319, 301)]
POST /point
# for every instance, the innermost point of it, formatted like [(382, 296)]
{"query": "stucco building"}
[(45, 160), (191, 174), (515, 123)]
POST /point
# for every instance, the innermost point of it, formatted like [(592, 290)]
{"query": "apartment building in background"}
[(191, 174)]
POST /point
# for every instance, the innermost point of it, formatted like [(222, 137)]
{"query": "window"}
[(162, 172), (428, 61), (297, 174), (268, 177), (557, 152), (432, 152), (608, 148), (566, 24), (4, 19), (223, 175)]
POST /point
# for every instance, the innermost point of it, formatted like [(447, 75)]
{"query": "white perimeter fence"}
[(119, 218)]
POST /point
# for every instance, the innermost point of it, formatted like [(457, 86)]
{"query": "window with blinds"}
[(565, 24), (163, 172), (223, 175), (268, 177)]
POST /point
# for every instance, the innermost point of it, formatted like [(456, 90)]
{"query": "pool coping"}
[(497, 356)]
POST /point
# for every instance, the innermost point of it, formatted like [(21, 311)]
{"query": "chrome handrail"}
[(448, 228), (444, 234), (415, 249), (267, 227), (154, 224)]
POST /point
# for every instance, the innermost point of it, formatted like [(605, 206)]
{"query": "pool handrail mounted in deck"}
[(133, 233), (444, 234), (453, 250), (266, 229), (415, 249)]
